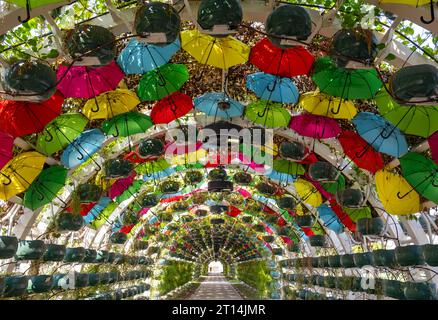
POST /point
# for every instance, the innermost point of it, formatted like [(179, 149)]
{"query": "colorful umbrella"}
[(268, 114), (6, 148), (120, 186), (422, 174), (19, 118), (360, 152), (161, 82), (358, 213), (413, 119), (390, 189), (380, 134), (317, 127), (288, 167), (19, 173), (272, 88), (218, 104), (345, 83), (171, 108), (221, 53), (45, 188), (82, 148), (127, 124), (433, 144), (110, 104), (330, 219), (324, 105), (307, 192), (88, 82), (60, 132), (139, 57)]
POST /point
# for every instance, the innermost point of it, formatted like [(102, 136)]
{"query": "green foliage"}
[(257, 275), (175, 274)]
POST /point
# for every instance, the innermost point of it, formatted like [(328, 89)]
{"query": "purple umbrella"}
[(120, 186), (6, 147), (313, 126), (433, 144)]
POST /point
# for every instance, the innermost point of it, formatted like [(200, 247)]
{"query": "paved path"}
[(215, 288)]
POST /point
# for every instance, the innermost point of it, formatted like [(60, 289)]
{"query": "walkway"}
[(215, 287)]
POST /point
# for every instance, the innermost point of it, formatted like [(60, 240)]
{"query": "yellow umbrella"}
[(389, 186), (307, 192), (327, 106), (217, 52), (415, 3), (110, 104), (188, 158), (18, 174)]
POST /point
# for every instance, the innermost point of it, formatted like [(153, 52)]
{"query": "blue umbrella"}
[(139, 57), (330, 219), (82, 148), (282, 178), (273, 88), (381, 134), (218, 104), (97, 209)]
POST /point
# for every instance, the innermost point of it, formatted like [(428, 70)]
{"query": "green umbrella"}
[(45, 188), (334, 187), (345, 83), (268, 114), (288, 167), (60, 132), (411, 119), (422, 175), (34, 3), (127, 124), (161, 82), (152, 166), (358, 213)]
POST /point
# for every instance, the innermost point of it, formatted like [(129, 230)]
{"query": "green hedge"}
[(257, 275), (175, 274)]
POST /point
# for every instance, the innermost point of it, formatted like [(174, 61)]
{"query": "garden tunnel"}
[(296, 143)]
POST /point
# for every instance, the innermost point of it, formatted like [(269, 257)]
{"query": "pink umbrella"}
[(120, 186), (318, 127), (88, 82), (433, 144), (6, 147)]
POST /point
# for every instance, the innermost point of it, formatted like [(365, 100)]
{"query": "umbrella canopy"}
[(6, 148), (411, 119), (171, 108), (390, 189), (110, 104), (345, 83), (307, 192), (19, 118), (82, 148), (139, 57), (324, 105), (219, 105), (268, 114), (422, 174), (380, 134), (288, 167), (433, 144), (317, 127), (329, 218), (272, 88), (221, 53), (88, 82), (60, 132), (127, 124), (18, 174), (359, 151), (161, 82), (414, 3), (120, 186), (45, 188)]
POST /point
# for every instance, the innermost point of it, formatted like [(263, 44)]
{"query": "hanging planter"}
[(220, 16), (323, 171), (287, 203), (179, 206), (40, 284), (393, 289), (201, 213), (219, 186), (217, 221), (90, 256), (218, 174), (118, 238), (74, 254), (93, 45), (118, 168), (242, 178), (347, 261), (409, 255), (93, 279), (292, 151), (118, 258), (30, 250), (81, 280), (199, 197), (169, 186), (235, 199), (15, 286), (54, 252), (88, 193), (293, 247), (384, 258), (269, 239), (193, 177), (113, 277), (129, 217), (334, 261), (420, 291), (370, 226), (430, 254), (104, 278), (350, 198), (218, 209), (304, 221), (317, 241), (266, 189), (330, 282), (363, 259), (8, 247), (66, 221), (150, 148), (149, 200), (111, 257), (61, 281)]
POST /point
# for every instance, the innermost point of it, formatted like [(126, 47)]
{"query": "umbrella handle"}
[(161, 80), (95, 108), (338, 109), (8, 179), (117, 131), (385, 136), (41, 196), (28, 13), (400, 196), (263, 113), (173, 107), (48, 137), (273, 87), (432, 15)]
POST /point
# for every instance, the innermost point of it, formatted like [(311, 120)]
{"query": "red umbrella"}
[(6, 148), (360, 152), (171, 108), (288, 63), (84, 208), (233, 211), (134, 157), (433, 144), (317, 127), (20, 118)]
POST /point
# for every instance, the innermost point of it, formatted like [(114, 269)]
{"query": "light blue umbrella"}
[(97, 209), (381, 134), (282, 178), (82, 148), (219, 105), (139, 57), (158, 175), (273, 88), (330, 219)]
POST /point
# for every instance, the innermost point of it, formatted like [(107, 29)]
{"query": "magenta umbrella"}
[(313, 126), (88, 82), (120, 186), (6, 147), (433, 144)]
